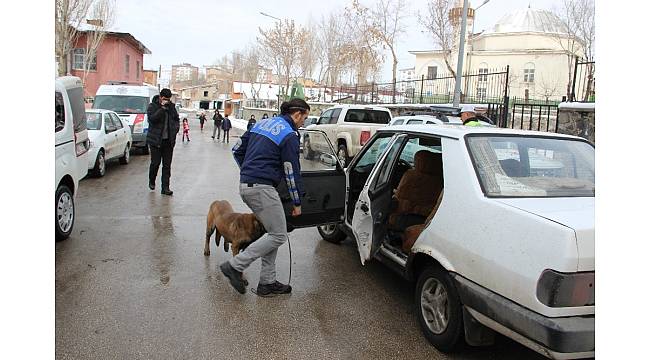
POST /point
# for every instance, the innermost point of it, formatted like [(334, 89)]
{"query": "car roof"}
[(361, 107), (99, 111), (69, 82), (457, 131)]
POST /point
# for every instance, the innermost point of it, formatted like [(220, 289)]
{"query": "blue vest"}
[(275, 129)]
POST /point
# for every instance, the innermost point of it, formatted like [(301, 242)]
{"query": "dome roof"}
[(529, 20)]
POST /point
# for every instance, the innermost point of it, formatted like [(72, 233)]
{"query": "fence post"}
[(372, 93), (421, 88), (355, 92), (394, 85), (506, 100), (573, 86)]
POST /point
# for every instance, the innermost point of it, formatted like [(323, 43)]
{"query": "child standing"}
[(186, 130), (225, 126)]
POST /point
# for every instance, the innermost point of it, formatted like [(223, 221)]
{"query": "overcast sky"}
[(202, 31)]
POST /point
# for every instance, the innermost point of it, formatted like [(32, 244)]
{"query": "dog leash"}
[(290, 261)]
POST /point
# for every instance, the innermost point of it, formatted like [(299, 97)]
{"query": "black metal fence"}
[(527, 116), (583, 84)]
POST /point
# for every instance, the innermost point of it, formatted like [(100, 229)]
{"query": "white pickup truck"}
[(348, 127)]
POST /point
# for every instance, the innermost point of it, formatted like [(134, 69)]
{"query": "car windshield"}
[(94, 120), (122, 104), (527, 166)]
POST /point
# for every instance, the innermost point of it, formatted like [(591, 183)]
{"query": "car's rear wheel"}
[(439, 309), (126, 157), (342, 154), (63, 212), (331, 233), (100, 164)]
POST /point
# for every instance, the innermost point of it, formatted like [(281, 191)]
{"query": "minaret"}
[(456, 16)]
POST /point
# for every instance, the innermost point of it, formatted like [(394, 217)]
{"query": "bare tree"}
[(101, 17), (251, 69), (68, 17), (360, 48), (548, 88), (385, 23), (577, 39), (332, 57), (282, 46), (437, 22)]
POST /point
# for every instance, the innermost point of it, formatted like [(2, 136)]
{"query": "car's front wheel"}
[(100, 164), (331, 233), (63, 212), (439, 309), (126, 157)]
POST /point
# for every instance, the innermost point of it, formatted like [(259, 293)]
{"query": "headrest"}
[(428, 162)]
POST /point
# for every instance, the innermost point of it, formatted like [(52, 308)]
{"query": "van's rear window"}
[(122, 104), (76, 96), (367, 116)]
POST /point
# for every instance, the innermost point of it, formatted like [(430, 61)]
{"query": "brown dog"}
[(240, 230)]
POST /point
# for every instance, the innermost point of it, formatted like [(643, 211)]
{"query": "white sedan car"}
[(110, 138), (495, 227)]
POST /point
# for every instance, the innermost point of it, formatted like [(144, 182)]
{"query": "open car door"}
[(323, 177)]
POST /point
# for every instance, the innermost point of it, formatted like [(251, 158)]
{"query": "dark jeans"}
[(226, 136), (164, 153)]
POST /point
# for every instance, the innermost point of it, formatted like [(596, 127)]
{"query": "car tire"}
[(64, 212), (100, 164), (331, 233), (435, 291), (127, 156), (342, 154), (145, 150)]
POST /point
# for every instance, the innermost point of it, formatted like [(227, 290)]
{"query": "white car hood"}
[(576, 213)]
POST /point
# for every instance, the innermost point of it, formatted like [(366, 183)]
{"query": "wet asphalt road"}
[(132, 281)]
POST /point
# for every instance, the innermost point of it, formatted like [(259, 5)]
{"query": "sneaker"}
[(213, 137), (152, 185), (234, 276), (272, 289), (167, 192)]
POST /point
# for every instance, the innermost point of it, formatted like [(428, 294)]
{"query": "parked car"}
[(110, 138), (71, 151), (130, 103), (348, 127), (495, 227), (423, 119)]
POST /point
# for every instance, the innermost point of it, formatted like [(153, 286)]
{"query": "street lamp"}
[(461, 55), (478, 7)]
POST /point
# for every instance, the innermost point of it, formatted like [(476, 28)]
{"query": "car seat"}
[(417, 191), (412, 233)]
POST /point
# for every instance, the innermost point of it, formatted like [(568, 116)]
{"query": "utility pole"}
[(461, 54)]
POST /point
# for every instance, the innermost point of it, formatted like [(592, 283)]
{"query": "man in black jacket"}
[(161, 137)]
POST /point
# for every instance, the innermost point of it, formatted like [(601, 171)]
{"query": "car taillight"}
[(138, 123), (556, 289), (80, 148), (365, 136)]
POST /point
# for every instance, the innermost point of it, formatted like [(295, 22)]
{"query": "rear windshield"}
[(367, 116), (94, 121), (76, 96), (527, 166), (122, 104)]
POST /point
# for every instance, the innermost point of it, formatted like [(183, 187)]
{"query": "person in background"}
[(468, 116), (274, 114), (202, 120), (265, 116), (186, 130), (218, 119), (251, 122), (226, 125), (161, 137)]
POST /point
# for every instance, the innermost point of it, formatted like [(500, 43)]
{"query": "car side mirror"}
[(329, 159)]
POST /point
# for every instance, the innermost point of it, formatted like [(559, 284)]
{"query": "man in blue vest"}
[(266, 154)]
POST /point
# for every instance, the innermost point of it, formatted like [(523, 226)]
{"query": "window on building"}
[(529, 73), (481, 94), (126, 65), (137, 69), (432, 72), (78, 56), (482, 71), (205, 94)]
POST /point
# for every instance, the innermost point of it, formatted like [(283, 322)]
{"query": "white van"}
[(130, 103), (71, 150)]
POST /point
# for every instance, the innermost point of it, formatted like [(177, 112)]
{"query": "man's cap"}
[(467, 108), (166, 93)]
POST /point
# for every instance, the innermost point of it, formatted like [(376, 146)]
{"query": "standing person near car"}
[(226, 125), (251, 122), (266, 155), (218, 119), (202, 120), (468, 116), (164, 124)]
